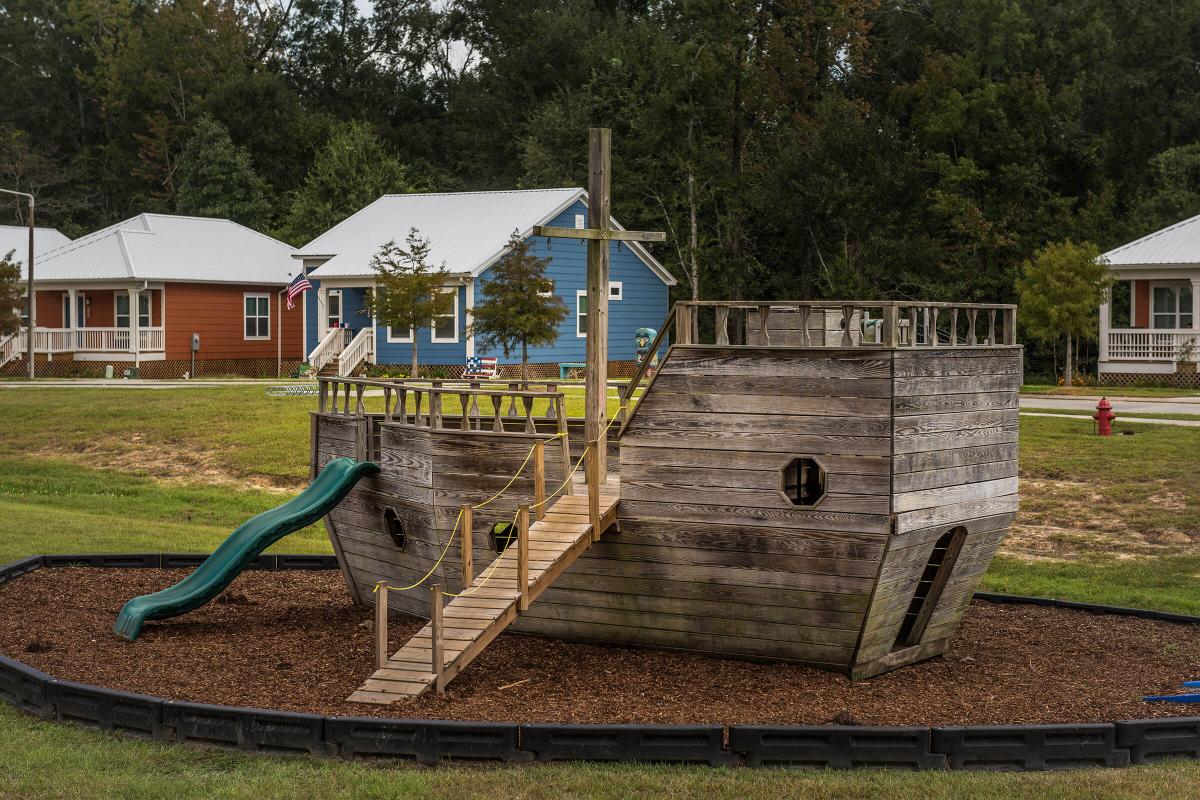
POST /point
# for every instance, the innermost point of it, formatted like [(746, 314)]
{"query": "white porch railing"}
[(83, 340), (355, 352), (1153, 345), (327, 348)]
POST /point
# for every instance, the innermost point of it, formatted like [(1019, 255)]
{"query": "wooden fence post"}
[(438, 642), (593, 487), (523, 558), (466, 544), (539, 480), (381, 624)]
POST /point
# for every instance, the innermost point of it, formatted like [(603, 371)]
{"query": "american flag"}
[(481, 366), (299, 285)]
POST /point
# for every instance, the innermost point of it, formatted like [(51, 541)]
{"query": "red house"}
[(168, 295)]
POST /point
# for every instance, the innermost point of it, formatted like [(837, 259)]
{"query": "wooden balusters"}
[(387, 403), (539, 480), (932, 322), (972, 313), (527, 404), (466, 413), (477, 423), (912, 326), (435, 408), (346, 407), (552, 391), (322, 396), (381, 624), (523, 558), (803, 311), (466, 546), (764, 312), (722, 325), (847, 326), (954, 327), (497, 407), (437, 637), (512, 405), (992, 340), (359, 409)]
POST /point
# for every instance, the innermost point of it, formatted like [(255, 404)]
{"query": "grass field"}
[(1117, 391), (1106, 520)]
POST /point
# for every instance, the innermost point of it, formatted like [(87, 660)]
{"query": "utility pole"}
[(30, 305)]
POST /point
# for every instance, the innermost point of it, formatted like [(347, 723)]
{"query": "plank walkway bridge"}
[(462, 629)]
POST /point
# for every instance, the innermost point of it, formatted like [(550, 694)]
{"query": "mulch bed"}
[(294, 641)]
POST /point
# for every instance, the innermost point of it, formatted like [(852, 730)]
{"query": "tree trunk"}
[(525, 364), (1069, 369), (413, 372)]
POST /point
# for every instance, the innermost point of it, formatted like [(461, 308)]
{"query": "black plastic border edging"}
[(978, 747)]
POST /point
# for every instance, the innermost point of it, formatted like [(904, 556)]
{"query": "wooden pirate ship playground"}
[(815, 482), (829, 490)]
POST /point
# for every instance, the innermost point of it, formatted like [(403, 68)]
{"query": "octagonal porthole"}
[(803, 481)]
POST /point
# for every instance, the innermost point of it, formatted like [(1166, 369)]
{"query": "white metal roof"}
[(1175, 244), (16, 238), (163, 247), (467, 231)]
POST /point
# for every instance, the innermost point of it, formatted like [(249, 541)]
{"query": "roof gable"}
[(166, 247), (1174, 244), (467, 231), (15, 238)]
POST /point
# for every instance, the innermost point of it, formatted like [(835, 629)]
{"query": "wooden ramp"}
[(472, 621)]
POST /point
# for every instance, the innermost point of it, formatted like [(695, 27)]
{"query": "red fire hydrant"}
[(1104, 417)]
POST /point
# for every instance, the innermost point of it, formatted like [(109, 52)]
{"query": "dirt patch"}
[(294, 641), (170, 464)]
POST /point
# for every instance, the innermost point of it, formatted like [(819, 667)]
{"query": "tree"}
[(1060, 291), (408, 295), (11, 298), (519, 306), (217, 179), (351, 171)]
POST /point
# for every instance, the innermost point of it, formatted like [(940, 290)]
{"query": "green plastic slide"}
[(244, 545)]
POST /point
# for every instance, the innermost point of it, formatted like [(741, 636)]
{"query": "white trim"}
[(144, 355), (117, 295), (257, 296), (433, 337), (580, 294), (470, 320), (620, 295)]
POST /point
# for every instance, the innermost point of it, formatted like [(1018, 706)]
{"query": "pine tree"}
[(351, 171), (217, 179), (1061, 290), (408, 295), (519, 306), (11, 298)]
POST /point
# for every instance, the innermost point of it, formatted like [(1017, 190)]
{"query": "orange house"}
[(170, 296)]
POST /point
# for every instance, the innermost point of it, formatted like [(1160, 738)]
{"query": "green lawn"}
[(1117, 391), (48, 761), (132, 470)]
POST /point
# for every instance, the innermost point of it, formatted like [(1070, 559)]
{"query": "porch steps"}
[(471, 622)]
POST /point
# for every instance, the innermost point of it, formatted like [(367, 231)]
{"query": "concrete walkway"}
[(1128, 405)]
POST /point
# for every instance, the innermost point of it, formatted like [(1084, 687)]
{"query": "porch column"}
[(74, 323), (134, 335), (1196, 313), (1105, 326), (322, 313), (470, 317)]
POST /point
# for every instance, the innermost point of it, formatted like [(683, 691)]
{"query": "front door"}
[(76, 319), (333, 309)]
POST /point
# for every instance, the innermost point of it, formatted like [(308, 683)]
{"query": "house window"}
[(258, 316), (581, 309), (1172, 306), (121, 305), (614, 290), (445, 326), (399, 338), (333, 309)]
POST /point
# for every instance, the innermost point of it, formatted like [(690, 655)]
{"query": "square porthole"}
[(803, 481)]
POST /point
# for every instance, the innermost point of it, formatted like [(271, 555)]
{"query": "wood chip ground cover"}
[(294, 641)]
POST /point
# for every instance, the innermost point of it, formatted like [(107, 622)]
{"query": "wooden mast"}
[(598, 235)]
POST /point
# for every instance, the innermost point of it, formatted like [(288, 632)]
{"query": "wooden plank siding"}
[(954, 464), (217, 312)]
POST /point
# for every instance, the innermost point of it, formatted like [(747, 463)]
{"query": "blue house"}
[(469, 232)]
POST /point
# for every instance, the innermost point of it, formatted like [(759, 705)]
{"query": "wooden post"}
[(466, 544), (437, 636), (523, 558), (566, 445), (539, 480), (599, 213), (381, 624), (891, 326), (593, 487)]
